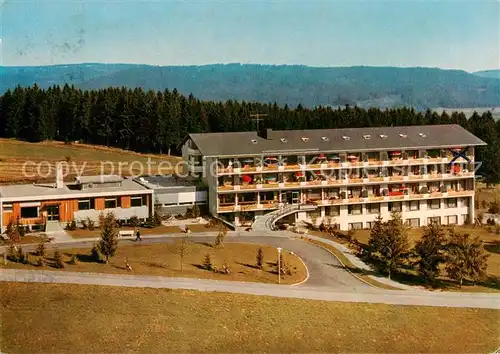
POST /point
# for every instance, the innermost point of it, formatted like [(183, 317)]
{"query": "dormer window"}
[(305, 140), (283, 140), (422, 135), (324, 138), (253, 141), (345, 137), (383, 136), (403, 136), (367, 136)]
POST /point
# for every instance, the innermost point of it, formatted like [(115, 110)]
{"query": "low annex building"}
[(39, 205), (345, 176)]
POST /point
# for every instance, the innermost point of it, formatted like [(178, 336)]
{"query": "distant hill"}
[(489, 73), (285, 84)]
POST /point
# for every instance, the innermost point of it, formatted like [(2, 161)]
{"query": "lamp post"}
[(279, 265)]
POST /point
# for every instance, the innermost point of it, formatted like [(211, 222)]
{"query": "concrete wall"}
[(120, 213)]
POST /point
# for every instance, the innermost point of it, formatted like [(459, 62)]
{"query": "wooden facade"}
[(66, 209)]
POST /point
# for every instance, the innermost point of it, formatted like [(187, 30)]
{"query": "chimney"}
[(264, 133), (59, 175)]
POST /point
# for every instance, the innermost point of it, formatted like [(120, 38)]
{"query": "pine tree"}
[(430, 252), (260, 258), (207, 262), (466, 257), (390, 244), (58, 259), (109, 237), (182, 248)]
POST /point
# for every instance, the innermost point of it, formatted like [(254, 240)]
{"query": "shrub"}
[(21, 256), (40, 250), (225, 268), (58, 260), (260, 258), (494, 207), (207, 262), (84, 224), (70, 226), (90, 224), (94, 253), (133, 221), (13, 255), (73, 260), (219, 241)]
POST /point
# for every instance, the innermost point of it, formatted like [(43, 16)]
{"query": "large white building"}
[(348, 176)]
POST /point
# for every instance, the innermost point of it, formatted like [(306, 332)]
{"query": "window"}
[(345, 137), (395, 206), (354, 209), (367, 136), (451, 203), (451, 220), (169, 204), (434, 204), (465, 202), (84, 205), (253, 141), (435, 220), (403, 136), (414, 222), (110, 203), (373, 208), (324, 138), (283, 140), (29, 212), (7, 208), (355, 226), (422, 135), (136, 201), (414, 205), (383, 136), (465, 218), (305, 140), (370, 224), (332, 210)]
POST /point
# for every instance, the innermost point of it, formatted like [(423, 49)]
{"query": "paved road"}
[(470, 300)]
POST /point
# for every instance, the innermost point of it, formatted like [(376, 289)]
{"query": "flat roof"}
[(166, 181), (28, 192), (334, 140)]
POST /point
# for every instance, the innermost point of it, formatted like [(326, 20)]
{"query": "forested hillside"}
[(382, 87), (148, 121)]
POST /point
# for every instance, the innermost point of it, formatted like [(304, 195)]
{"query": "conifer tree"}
[(109, 237)]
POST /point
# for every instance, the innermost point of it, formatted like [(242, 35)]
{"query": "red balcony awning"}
[(271, 158), (396, 153), (299, 174), (321, 157)]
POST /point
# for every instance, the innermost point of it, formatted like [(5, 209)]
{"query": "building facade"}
[(39, 205), (350, 176)]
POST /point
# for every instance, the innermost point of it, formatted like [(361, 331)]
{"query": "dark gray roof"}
[(333, 140)]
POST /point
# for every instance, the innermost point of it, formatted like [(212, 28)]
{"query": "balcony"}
[(193, 152), (456, 193), (226, 208)]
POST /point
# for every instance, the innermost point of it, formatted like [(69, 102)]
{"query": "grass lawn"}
[(14, 153), (66, 318), (163, 260), (491, 244), (28, 239)]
